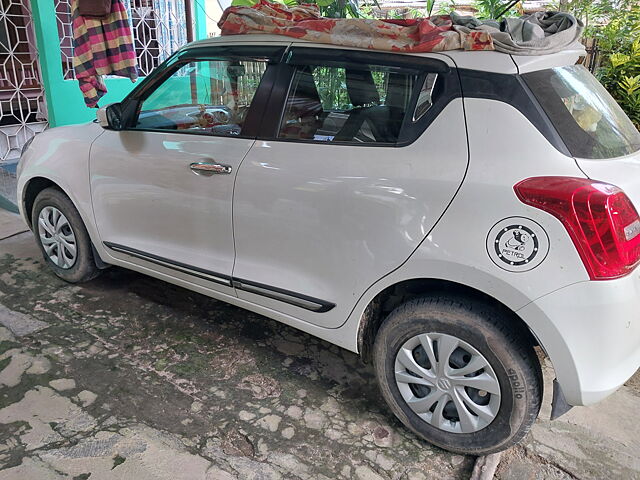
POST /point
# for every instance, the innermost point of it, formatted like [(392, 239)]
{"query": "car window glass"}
[(207, 97), (588, 119), (425, 97), (356, 104)]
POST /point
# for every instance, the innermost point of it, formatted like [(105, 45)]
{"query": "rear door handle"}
[(207, 169)]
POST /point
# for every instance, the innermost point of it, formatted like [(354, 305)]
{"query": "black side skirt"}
[(165, 262), (282, 295)]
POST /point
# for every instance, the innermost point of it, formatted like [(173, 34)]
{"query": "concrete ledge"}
[(10, 223)]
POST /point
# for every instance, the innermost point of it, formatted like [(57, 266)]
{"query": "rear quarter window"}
[(586, 116)]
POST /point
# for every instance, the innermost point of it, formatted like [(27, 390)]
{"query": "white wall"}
[(214, 10)]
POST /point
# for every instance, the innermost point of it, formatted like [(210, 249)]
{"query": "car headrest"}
[(361, 88), (307, 100)]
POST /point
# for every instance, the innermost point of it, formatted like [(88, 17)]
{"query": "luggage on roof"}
[(536, 34)]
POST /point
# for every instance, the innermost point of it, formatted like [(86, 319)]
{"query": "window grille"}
[(22, 106)]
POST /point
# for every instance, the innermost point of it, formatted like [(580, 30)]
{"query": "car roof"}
[(488, 61)]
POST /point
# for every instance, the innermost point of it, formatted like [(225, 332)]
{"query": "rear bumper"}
[(591, 332)]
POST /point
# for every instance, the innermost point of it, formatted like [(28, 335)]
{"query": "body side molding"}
[(286, 296)]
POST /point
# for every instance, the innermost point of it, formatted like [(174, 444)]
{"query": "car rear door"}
[(359, 155), (162, 187)]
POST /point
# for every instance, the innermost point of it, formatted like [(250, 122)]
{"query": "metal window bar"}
[(22, 106)]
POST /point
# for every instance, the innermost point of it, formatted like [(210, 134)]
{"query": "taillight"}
[(601, 220)]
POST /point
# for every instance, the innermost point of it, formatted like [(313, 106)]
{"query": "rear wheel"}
[(456, 375), (62, 237)]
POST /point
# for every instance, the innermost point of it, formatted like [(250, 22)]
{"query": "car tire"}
[(484, 334), (77, 264)]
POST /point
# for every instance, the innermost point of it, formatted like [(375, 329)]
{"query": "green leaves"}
[(430, 5), (618, 59), (631, 85), (490, 9), (615, 24), (446, 8), (243, 3)]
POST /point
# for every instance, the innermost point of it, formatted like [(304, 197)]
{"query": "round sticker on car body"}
[(517, 244)]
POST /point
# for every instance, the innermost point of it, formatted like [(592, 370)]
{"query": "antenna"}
[(507, 8)]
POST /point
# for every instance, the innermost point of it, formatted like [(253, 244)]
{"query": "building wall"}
[(213, 13), (64, 100)]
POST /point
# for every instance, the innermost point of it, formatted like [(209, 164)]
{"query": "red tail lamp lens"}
[(600, 219)]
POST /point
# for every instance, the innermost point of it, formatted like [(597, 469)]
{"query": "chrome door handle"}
[(207, 169)]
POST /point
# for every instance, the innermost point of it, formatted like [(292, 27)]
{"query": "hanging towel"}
[(102, 47)]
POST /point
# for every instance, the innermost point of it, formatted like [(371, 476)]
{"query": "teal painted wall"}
[(64, 100)]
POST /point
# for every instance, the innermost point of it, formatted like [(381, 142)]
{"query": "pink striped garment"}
[(102, 47)]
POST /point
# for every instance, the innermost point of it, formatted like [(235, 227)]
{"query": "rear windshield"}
[(587, 118)]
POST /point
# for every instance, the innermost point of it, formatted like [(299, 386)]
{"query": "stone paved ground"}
[(129, 377)]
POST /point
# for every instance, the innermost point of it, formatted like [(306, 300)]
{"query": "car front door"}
[(360, 154), (162, 186)]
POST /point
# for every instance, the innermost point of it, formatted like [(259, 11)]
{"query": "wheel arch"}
[(31, 190), (403, 291)]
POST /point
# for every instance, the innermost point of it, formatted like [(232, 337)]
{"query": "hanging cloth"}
[(94, 8), (102, 47), (540, 33)]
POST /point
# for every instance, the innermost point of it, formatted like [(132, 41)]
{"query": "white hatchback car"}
[(440, 214)]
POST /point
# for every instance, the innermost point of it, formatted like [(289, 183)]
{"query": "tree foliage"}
[(328, 8), (492, 9), (620, 74), (615, 25)]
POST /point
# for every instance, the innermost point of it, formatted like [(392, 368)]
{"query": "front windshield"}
[(586, 116)]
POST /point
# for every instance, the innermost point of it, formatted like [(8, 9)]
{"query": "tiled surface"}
[(130, 377), (8, 183)]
